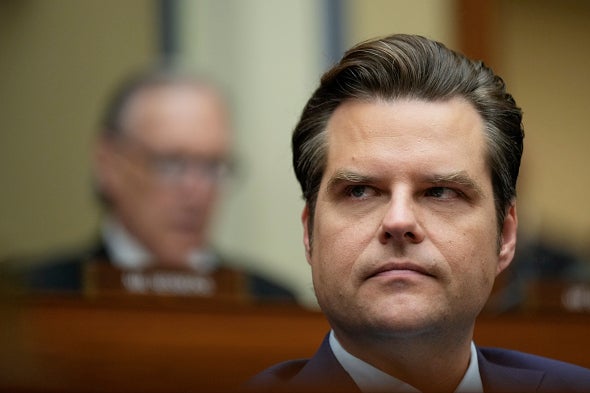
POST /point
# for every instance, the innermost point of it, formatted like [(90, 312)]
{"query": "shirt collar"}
[(369, 378), (128, 253)]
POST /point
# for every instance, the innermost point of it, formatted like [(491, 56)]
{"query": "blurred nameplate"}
[(105, 279), (558, 295)]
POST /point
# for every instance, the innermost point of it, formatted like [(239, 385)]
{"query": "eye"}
[(169, 166), (442, 193), (360, 192)]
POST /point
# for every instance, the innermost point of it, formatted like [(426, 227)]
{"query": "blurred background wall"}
[(541, 49), (60, 59), (58, 62)]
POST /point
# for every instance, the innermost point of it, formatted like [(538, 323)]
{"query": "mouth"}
[(399, 269), (188, 223), (185, 227)]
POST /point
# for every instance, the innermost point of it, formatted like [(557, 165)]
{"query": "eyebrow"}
[(346, 176), (462, 178)]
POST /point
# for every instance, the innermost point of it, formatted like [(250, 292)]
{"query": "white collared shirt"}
[(127, 253), (371, 379)]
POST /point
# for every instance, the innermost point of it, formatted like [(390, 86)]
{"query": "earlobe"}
[(306, 239), (508, 245)]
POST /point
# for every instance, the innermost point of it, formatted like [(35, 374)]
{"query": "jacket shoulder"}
[(277, 377), (61, 271), (321, 373), (556, 375), (519, 359)]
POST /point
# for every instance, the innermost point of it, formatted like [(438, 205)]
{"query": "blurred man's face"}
[(162, 177)]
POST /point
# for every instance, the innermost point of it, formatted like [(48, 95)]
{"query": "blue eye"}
[(359, 192), (441, 193)]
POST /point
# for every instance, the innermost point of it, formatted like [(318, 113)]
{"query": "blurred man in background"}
[(161, 157)]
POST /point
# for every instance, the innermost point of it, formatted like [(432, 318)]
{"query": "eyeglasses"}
[(173, 168)]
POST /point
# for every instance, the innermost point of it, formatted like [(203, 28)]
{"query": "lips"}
[(399, 268)]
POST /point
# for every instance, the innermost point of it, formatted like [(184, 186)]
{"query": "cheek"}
[(346, 229), (209, 200), (474, 262), (327, 247), (337, 242), (331, 278), (136, 192), (154, 208), (337, 247)]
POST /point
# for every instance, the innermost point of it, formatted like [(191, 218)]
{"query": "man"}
[(159, 164), (408, 155)]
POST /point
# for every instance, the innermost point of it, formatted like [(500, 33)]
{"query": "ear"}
[(508, 239), (306, 234), (103, 164)]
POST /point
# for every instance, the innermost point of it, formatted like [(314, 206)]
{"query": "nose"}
[(199, 176), (400, 223), (194, 189)]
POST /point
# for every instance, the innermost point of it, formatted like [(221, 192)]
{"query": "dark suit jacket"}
[(501, 371), (65, 273)]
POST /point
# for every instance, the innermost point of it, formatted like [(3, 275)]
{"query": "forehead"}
[(177, 114), (406, 133)]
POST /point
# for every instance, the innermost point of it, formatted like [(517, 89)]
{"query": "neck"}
[(430, 363)]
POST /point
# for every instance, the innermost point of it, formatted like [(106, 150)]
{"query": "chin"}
[(398, 329), (402, 320), (171, 262), (173, 257), (186, 242)]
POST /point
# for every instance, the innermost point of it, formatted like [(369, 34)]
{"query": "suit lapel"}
[(497, 377), (325, 373)]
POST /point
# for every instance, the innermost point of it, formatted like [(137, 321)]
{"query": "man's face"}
[(405, 240), (162, 176)]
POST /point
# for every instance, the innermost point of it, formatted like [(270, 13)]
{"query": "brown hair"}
[(410, 66)]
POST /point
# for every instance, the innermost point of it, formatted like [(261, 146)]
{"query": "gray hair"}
[(111, 124)]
